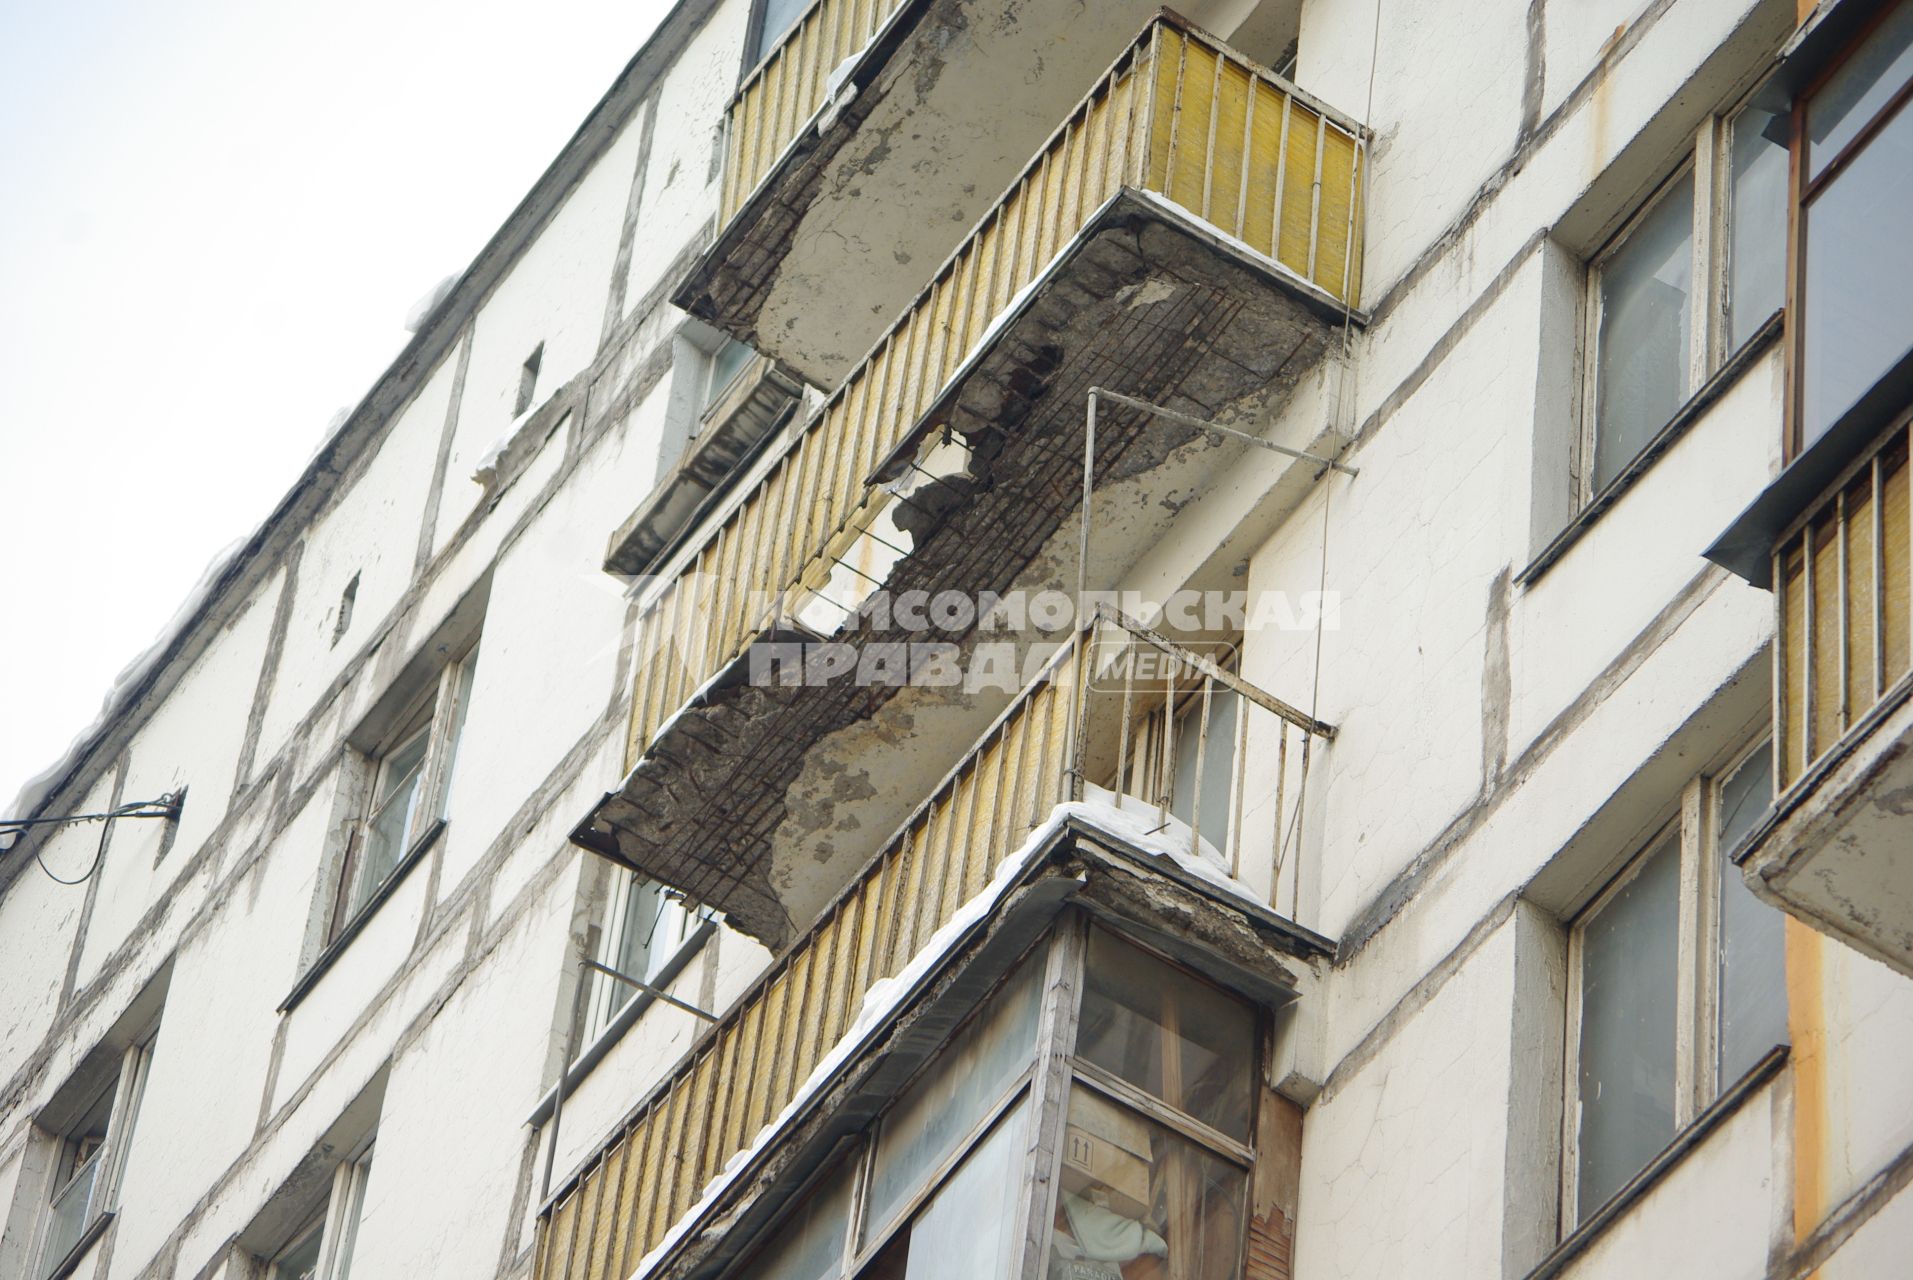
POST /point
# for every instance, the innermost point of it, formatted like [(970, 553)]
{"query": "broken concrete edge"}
[(793, 179), (363, 427), (1123, 213), (1809, 819), (817, 139), (1069, 859)]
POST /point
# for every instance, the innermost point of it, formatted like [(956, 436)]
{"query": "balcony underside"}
[(842, 214), (1838, 850), (751, 798)]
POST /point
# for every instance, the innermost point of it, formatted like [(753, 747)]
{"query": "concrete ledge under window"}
[(1687, 1140), (88, 1238), (335, 948), (1697, 404)]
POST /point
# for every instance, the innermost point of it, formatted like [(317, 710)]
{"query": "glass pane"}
[(351, 1219), (1856, 92), (1626, 1070), (778, 17), (810, 1244), (386, 838), (642, 905), (1753, 970), (725, 366), (1218, 768), (964, 1232), (1139, 1202), (72, 1211), (301, 1261), (461, 705), (1757, 222), (1171, 1036), (940, 1110), (1859, 275), (1646, 321)]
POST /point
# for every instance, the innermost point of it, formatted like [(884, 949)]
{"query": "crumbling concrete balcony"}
[(866, 144), (1188, 237), (1837, 848), (1016, 835)]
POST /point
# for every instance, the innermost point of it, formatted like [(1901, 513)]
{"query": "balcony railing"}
[(1844, 581), (1110, 706), (782, 95), (1179, 116)]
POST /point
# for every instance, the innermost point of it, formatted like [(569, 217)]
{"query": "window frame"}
[(108, 1160), (1708, 158), (1052, 1075), (1695, 824), (1803, 188), (439, 715), (343, 1212), (610, 998)]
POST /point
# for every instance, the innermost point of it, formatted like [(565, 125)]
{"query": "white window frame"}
[(108, 1160), (1708, 157), (674, 928), (337, 1224), (440, 716), (1697, 963)]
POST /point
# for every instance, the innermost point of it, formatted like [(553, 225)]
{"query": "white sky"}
[(214, 217)]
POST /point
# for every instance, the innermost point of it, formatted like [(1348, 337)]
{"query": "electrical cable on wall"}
[(166, 807)]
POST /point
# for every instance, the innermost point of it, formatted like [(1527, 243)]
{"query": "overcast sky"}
[(214, 217)]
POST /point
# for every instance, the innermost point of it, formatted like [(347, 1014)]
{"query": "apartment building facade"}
[(1018, 637)]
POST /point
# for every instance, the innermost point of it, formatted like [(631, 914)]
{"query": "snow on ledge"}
[(1125, 817)]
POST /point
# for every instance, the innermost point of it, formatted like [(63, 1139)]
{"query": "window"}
[(1856, 263), (775, 18), (1151, 1137), (645, 928), (410, 792), (1653, 1042), (323, 1248), (91, 1158), (726, 363), (1193, 767), (1669, 297)]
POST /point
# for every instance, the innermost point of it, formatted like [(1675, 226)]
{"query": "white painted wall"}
[(1428, 1153)]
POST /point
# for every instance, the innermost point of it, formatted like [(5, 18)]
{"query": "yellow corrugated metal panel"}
[(1897, 574), (1859, 604), (787, 88), (746, 1069), (1824, 636)]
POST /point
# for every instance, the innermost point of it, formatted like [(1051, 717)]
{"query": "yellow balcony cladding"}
[(864, 147), (783, 94), (1838, 846), (1189, 236), (748, 1068)]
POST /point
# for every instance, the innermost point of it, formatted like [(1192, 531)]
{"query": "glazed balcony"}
[(876, 133), (1188, 237), (1838, 847), (1182, 846)]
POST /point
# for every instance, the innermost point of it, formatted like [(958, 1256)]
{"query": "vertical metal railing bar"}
[(1807, 647), (1241, 229), (1315, 193), (1281, 178), (1195, 781), (1349, 247), (1175, 119), (1238, 782), (1209, 150), (1842, 615), (1878, 481)]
